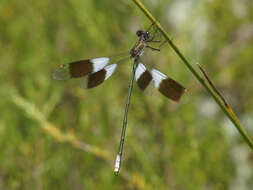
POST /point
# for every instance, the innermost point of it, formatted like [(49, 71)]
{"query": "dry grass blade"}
[(33, 112)]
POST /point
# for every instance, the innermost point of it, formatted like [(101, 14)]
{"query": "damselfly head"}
[(139, 33), (145, 34)]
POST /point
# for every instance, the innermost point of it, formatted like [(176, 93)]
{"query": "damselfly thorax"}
[(97, 70), (138, 49)]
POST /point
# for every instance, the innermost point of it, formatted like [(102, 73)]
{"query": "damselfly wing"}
[(77, 69), (166, 86), (96, 71)]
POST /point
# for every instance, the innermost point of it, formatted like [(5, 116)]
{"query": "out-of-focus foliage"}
[(54, 135)]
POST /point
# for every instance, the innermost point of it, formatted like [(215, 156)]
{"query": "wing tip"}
[(60, 74)]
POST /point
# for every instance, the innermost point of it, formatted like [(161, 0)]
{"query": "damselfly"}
[(97, 70)]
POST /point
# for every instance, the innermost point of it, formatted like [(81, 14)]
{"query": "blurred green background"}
[(55, 135)]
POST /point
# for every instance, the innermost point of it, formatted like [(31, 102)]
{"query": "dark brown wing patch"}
[(80, 68), (144, 80), (171, 89), (96, 79)]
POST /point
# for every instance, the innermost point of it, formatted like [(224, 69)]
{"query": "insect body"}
[(97, 71)]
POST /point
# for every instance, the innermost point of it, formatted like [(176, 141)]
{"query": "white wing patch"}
[(99, 63), (110, 70), (157, 77), (139, 70)]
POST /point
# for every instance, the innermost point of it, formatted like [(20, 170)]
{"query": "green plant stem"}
[(229, 113)]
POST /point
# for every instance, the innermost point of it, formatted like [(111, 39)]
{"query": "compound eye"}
[(147, 35), (139, 33)]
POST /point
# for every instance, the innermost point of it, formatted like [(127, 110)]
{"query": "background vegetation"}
[(55, 135)]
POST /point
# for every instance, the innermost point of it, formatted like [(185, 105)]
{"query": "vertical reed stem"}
[(228, 112)]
